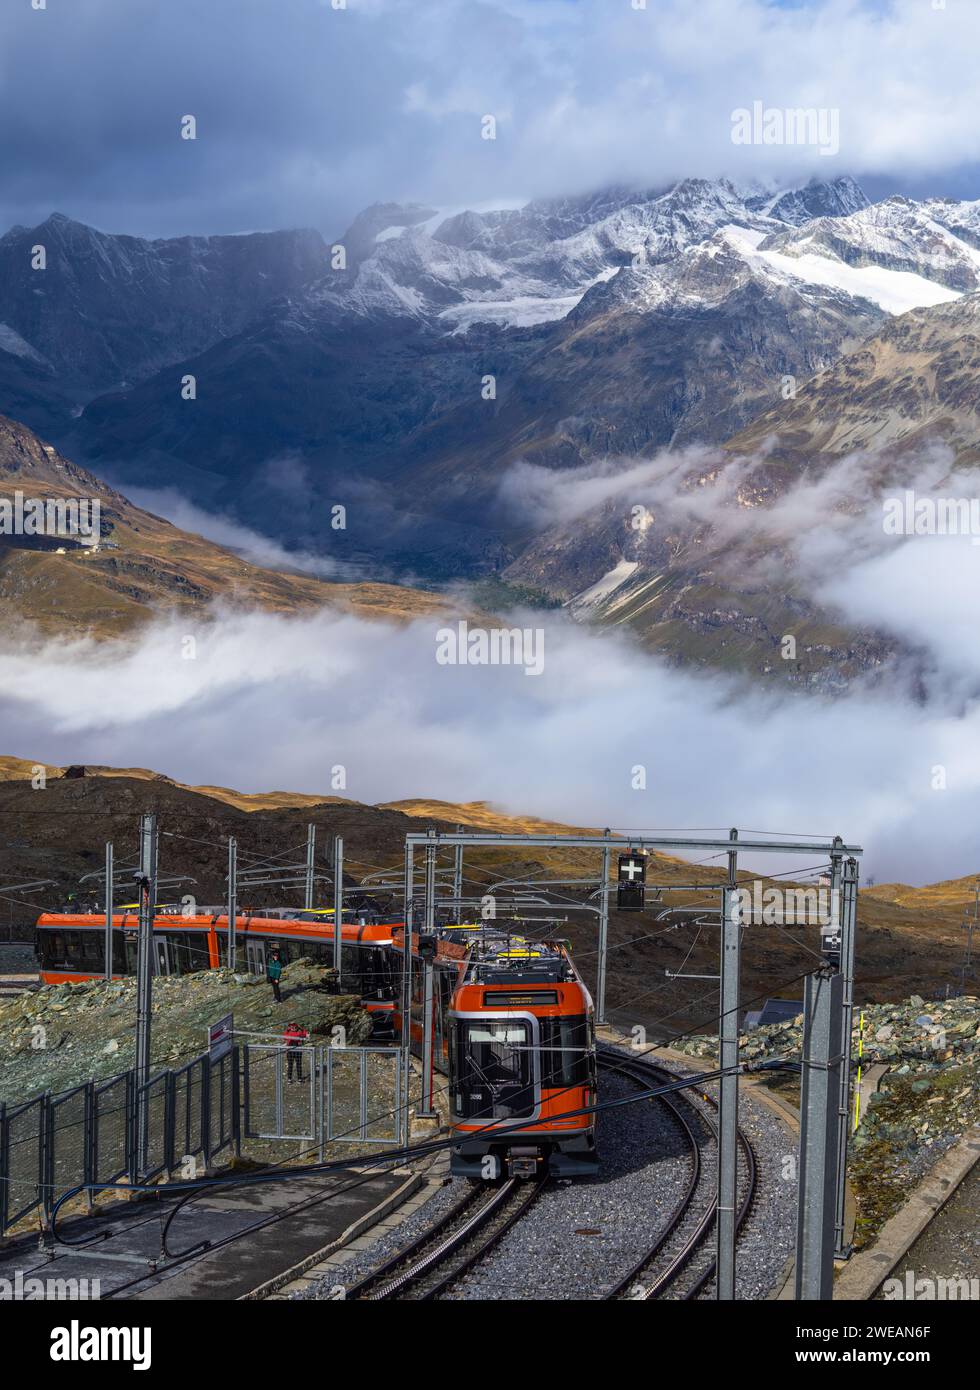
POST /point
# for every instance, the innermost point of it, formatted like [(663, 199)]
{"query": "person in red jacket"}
[(294, 1036)]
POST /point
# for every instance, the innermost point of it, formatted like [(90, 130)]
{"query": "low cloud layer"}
[(826, 533), (270, 703), (251, 545)]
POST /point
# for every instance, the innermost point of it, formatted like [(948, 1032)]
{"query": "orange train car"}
[(71, 946), (514, 1030)]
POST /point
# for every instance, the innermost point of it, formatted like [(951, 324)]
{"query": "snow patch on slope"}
[(608, 584), (895, 291), (12, 342)]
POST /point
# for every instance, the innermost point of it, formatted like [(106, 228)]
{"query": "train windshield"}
[(494, 1070)]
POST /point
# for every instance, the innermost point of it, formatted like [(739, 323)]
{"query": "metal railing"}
[(90, 1134), (322, 1094)]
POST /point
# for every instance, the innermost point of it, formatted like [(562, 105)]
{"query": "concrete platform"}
[(123, 1241)]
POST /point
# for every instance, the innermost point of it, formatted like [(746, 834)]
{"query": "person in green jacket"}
[(273, 973)]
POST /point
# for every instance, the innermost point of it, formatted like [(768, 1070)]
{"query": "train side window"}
[(91, 953), (188, 952), (54, 950)]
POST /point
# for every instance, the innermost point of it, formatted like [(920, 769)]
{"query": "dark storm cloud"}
[(307, 113)]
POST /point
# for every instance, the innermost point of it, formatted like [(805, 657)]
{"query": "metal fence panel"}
[(261, 1069), (68, 1151), (360, 1095), (112, 1128), (91, 1134), (280, 1091), (22, 1153), (189, 1094), (155, 1095), (222, 1103)]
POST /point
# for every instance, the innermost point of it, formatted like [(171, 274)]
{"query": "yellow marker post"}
[(857, 1091)]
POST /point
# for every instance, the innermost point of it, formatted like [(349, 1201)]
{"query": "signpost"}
[(632, 877), (221, 1037)]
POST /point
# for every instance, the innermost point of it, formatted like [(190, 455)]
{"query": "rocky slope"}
[(107, 309), (910, 385), (689, 580), (89, 1034)]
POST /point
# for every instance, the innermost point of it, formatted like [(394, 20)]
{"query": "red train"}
[(71, 946), (512, 1018), (522, 1062), (514, 1030)]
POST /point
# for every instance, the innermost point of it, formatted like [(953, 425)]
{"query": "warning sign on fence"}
[(221, 1037)]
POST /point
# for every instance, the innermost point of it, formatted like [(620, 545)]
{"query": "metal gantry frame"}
[(266, 872), (828, 1008), (122, 877)]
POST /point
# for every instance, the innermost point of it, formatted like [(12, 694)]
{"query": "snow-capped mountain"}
[(449, 346), (935, 240), (838, 198), (654, 323), (525, 266)]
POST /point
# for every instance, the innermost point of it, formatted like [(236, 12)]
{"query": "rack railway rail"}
[(678, 1263), (436, 1259)]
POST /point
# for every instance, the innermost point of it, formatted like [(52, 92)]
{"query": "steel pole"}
[(338, 908), (310, 856), (406, 1029), (603, 938), (816, 1200), (731, 930), (108, 909), (232, 903), (147, 883), (848, 923), (425, 1110), (458, 878)]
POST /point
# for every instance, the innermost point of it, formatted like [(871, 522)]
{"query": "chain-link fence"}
[(92, 1133)]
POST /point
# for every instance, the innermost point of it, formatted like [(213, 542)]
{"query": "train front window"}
[(494, 1070)]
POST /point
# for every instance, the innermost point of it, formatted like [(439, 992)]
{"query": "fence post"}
[(169, 1120), (132, 1143), (236, 1119), (89, 1147), (247, 1091), (46, 1157), (4, 1166), (319, 1068), (206, 1114)]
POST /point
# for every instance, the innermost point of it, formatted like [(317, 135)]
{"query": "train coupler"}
[(524, 1162)]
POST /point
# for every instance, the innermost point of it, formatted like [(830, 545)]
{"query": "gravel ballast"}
[(580, 1238)]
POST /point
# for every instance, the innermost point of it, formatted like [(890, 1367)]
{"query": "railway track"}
[(435, 1260), (680, 1263)]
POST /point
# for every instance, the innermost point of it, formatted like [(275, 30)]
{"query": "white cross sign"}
[(631, 869)]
